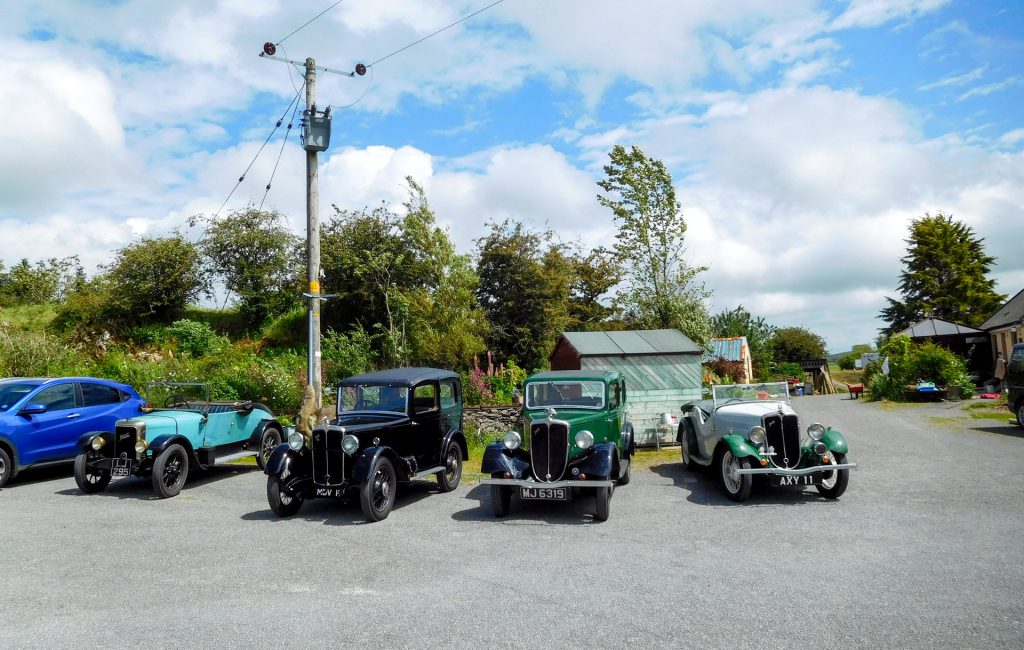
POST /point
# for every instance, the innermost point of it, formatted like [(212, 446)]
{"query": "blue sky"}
[(802, 136)]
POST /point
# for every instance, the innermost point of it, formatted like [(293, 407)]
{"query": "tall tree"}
[(662, 290), (797, 344), (759, 333), (524, 289), (596, 273), (945, 275), (258, 259)]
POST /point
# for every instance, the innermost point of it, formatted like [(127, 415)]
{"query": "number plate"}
[(548, 494), (334, 493), (805, 479), (121, 468)]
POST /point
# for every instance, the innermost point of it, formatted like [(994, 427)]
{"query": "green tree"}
[(797, 344), (49, 281), (662, 290), (759, 333), (945, 276), (258, 259), (595, 275), (524, 290)]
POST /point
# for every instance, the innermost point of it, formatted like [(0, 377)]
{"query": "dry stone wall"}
[(494, 419)]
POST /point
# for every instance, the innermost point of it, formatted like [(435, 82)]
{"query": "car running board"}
[(230, 457), (428, 472)]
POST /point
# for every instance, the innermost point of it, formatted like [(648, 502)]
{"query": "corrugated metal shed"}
[(635, 342), (731, 349), (937, 327)]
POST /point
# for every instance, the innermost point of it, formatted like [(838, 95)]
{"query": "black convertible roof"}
[(399, 377)]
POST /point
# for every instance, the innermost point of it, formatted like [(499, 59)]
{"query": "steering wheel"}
[(175, 401), (362, 405)]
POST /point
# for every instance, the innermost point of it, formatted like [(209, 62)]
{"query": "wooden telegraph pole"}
[(313, 375)]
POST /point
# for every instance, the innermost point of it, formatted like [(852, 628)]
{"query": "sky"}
[(802, 136)]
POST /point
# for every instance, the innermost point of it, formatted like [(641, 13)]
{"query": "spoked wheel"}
[(282, 504), (448, 479), (603, 496), (834, 483), (501, 500), (170, 470), (6, 467), (1020, 416), (269, 441), (90, 479), (736, 486), (377, 495)]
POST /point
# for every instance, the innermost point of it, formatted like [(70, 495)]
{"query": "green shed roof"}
[(636, 342)]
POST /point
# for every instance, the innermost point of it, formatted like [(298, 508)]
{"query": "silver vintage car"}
[(752, 429)]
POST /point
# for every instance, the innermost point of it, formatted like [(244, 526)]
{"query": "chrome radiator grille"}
[(549, 449), (328, 457), (783, 434)]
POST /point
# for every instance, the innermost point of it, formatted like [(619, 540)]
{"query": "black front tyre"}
[(377, 495), (603, 497), (269, 441), (6, 467), (1020, 416), (90, 480), (834, 483), (448, 478), (501, 500), (624, 477), (170, 471), (282, 504)]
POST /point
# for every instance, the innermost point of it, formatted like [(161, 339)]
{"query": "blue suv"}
[(42, 419)]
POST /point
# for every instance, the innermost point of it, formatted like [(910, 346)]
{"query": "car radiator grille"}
[(124, 442), (328, 457), (783, 433), (549, 449)]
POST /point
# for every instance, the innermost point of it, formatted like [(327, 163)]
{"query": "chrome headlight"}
[(512, 440), (97, 442), (349, 444), (584, 439), (757, 435), (820, 448), (141, 446), (816, 431), (295, 440)]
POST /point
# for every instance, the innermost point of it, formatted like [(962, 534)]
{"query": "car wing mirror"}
[(32, 409)]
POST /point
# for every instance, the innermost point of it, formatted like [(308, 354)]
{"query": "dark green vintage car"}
[(575, 440)]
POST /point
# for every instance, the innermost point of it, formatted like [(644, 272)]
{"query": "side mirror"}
[(32, 409)]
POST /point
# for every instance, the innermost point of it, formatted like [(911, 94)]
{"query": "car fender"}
[(160, 444), (257, 433), (282, 458), (457, 436), (602, 462), (497, 460), (739, 447), (366, 460), (85, 440), (835, 441), (12, 449)]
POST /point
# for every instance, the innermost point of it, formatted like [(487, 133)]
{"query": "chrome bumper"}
[(522, 482), (796, 472)]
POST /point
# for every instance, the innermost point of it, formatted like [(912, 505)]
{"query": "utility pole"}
[(313, 244)]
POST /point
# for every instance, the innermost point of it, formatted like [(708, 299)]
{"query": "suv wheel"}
[(5, 467), (448, 478), (377, 495), (90, 480), (170, 470)]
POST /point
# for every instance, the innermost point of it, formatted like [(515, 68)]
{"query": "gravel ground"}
[(923, 551)]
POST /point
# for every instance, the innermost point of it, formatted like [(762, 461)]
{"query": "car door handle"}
[(74, 415)]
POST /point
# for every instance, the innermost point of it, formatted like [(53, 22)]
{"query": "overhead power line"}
[(305, 24), (463, 19)]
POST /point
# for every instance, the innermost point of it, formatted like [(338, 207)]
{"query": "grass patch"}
[(28, 318), (991, 415), (647, 458), (945, 421)]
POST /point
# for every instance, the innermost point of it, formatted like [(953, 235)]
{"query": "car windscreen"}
[(565, 394), (372, 398), (11, 393), (751, 392)]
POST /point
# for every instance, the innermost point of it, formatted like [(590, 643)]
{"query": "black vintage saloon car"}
[(392, 426)]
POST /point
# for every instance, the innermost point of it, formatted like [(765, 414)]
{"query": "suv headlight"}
[(584, 439), (512, 440), (97, 442), (295, 440), (349, 444), (816, 431), (757, 435)]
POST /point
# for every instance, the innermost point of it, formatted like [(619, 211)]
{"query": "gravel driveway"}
[(923, 551)]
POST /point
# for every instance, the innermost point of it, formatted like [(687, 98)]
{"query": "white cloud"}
[(871, 13)]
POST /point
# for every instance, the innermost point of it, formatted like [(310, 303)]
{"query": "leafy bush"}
[(32, 354), (346, 355), (910, 363), (195, 338), (788, 370), (288, 330), (729, 371), (493, 385), (848, 362)]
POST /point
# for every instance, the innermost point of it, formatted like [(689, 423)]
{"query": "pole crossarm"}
[(302, 64)]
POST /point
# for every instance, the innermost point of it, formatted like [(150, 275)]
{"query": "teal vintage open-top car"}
[(188, 430), (748, 430)]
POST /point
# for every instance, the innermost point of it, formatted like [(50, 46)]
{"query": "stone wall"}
[(493, 419)]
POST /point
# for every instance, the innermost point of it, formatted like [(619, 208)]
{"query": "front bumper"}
[(796, 472), (520, 482)]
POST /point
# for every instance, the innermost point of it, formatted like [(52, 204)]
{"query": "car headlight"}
[(141, 446), (350, 444), (584, 439), (295, 440), (97, 442), (816, 431), (820, 448), (757, 435), (512, 440)]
